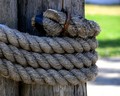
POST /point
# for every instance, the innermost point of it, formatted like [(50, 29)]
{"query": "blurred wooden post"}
[(8, 16), (29, 8)]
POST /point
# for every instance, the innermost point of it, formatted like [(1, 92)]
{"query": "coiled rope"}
[(46, 44), (57, 61), (51, 60), (41, 76)]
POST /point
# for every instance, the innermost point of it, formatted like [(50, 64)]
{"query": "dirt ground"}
[(108, 81)]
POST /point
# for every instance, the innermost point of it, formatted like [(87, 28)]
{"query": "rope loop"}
[(60, 23)]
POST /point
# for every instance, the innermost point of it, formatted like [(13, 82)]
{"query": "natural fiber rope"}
[(51, 60), (45, 44), (30, 75), (56, 61), (54, 23)]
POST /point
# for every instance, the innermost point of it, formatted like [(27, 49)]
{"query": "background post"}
[(8, 16)]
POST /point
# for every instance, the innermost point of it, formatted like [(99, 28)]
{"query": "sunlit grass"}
[(109, 38)]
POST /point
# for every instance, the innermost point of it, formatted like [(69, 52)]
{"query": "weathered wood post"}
[(59, 61), (8, 16), (29, 8)]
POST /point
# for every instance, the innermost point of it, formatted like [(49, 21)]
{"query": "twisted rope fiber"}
[(54, 21), (56, 61), (45, 44), (51, 60), (41, 76)]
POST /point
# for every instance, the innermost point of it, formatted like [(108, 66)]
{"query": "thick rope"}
[(46, 44), (54, 21), (51, 60), (56, 61), (30, 75)]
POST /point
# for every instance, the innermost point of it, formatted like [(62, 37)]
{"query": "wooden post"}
[(8, 13), (29, 8), (46, 90), (8, 16), (8, 87)]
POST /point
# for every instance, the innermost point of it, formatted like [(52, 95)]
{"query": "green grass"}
[(109, 38)]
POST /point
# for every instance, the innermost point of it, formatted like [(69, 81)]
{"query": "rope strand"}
[(57, 61), (45, 44), (40, 76)]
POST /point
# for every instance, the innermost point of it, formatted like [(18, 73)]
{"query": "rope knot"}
[(58, 23)]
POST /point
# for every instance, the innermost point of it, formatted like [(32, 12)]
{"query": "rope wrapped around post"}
[(57, 61), (69, 58), (41, 76), (46, 44)]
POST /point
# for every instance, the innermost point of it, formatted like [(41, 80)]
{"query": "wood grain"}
[(37, 90), (8, 87), (8, 16), (8, 12)]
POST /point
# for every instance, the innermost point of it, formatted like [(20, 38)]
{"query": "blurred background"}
[(107, 14)]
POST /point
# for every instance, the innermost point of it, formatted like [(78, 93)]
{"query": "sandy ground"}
[(102, 10), (108, 81)]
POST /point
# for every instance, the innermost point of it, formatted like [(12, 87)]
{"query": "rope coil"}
[(51, 60), (30, 75), (46, 44), (57, 61)]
